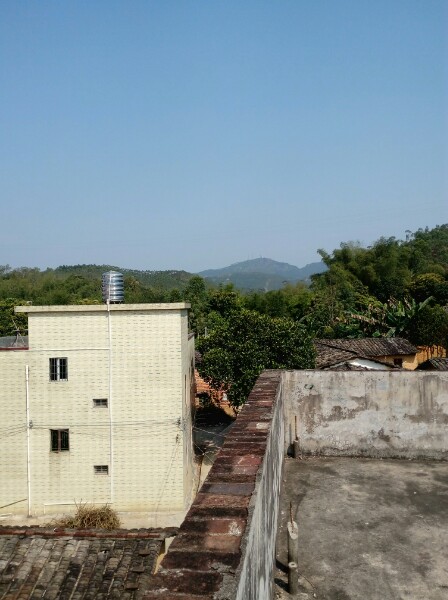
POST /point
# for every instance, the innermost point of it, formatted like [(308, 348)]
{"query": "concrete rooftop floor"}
[(368, 529)]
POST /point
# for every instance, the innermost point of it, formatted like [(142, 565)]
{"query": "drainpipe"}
[(111, 440), (28, 428)]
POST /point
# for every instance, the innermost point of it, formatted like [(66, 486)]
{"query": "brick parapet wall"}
[(204, 561)]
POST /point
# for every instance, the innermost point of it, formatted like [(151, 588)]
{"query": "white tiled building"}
[(98, 409)]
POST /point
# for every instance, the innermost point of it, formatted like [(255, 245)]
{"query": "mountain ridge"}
[(262, 273)]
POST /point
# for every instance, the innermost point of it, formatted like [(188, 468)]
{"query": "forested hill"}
[(167, 280), (393, 287), (262, 274), (392, 268), (82, 284)]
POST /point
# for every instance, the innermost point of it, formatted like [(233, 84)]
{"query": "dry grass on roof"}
[(88, 516)]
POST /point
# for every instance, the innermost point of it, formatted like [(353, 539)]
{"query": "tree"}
[(11, 323), (388, 319), (430, 327), (243, 343), (196, 293)]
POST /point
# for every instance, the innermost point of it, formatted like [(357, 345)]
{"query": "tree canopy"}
[(394, 287)]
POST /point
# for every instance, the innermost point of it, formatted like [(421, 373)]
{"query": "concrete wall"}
[(138, 357), (378, 414), (225, 548)]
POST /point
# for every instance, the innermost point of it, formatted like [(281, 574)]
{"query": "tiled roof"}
[(37, 563), (332, 351), (347, 366), (435, 364)]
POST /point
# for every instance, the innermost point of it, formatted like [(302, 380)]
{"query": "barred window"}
[(58, 369), (101, 469), (100, 402), (59, 440)]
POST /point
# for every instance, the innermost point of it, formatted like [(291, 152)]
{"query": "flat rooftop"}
[(368, 529), (102, 307)]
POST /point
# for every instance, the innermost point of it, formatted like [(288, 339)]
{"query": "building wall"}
[(427, 352), (13, 465), (409, 361), (369, 413), (133, 357), (188, 406)]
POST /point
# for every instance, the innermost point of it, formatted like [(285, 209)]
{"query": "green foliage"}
[(10, 323), (430, 327), (243, 343), (80, 284), (391, 288), (389, 319), (429, 284), (196, 294)]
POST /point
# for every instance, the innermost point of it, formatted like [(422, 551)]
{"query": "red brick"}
[(245, 445), (217, 511), (186, 582), (210, 543), (217, 477), (228, 488), (173, 596), (200, 561), (214, 526), (240, 461), (235, 469), (221, 500)]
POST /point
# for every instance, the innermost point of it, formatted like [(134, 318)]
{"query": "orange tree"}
[(242, 343)]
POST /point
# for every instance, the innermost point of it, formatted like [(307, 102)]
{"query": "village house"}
[(365, 353), (96, 407)]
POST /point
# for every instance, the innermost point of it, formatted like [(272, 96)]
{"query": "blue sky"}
[(191, 135)]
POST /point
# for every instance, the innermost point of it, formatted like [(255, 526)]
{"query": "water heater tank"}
[(112, 287)]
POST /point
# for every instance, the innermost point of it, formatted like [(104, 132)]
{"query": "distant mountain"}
[(262, 274)]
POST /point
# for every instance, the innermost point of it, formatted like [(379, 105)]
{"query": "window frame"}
[(100, 403), (101, 469), (58, 368), (59, 440)]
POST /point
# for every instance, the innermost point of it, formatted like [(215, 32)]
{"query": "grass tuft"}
[(88, 516)]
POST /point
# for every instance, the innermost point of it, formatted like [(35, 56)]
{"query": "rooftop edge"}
[(102, 307)]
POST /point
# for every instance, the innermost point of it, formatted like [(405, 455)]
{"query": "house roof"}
[(63, 563), (352, 366), (434, 364), (333, 351)]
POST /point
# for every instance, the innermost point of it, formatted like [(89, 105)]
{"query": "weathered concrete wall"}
[(371, 413), (225, 548)]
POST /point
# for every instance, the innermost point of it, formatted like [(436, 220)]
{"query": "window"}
[(398, 362), (100, 402), (59, 440), (58, 369), (101, 469)]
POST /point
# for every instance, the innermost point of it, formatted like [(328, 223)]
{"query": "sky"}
[(192, 135)]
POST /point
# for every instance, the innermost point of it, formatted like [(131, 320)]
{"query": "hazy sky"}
[(193, 134)]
